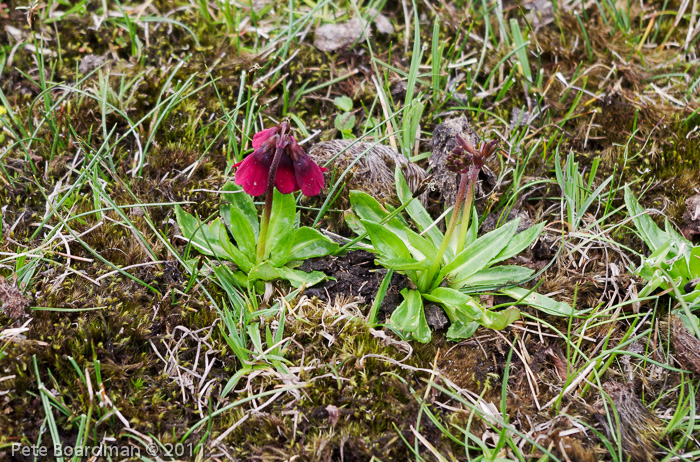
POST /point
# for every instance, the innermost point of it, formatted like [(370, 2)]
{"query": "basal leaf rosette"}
[(270, 247), (453, 268)]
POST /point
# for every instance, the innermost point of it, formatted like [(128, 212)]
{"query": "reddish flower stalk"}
[(277, 161), (467, 161), (267, 211), (460, 160)]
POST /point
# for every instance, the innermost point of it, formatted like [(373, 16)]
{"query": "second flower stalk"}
[(467, 160)]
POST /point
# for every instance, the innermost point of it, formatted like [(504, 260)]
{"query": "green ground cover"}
[(119, 119)]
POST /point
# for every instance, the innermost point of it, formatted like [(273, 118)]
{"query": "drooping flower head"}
[(296, 170), (465, 155)]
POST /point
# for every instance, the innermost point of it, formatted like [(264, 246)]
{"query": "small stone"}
[(436, 317), (520, 118), (381, 22), (398, 90), (90, 62), (541, 13), (546, 247), (333, 37)]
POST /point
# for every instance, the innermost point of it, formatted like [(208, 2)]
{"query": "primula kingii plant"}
[(448, 269), (674, 263), (268, 248)]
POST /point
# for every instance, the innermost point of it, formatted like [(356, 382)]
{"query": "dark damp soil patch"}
[(355, 275)]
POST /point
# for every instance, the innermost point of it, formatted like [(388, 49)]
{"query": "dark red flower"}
[(296, 170), (263, 135)]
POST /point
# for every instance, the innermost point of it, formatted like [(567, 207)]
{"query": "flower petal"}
[(263, 135), (309, 176), (285, 180), (253, 172)]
